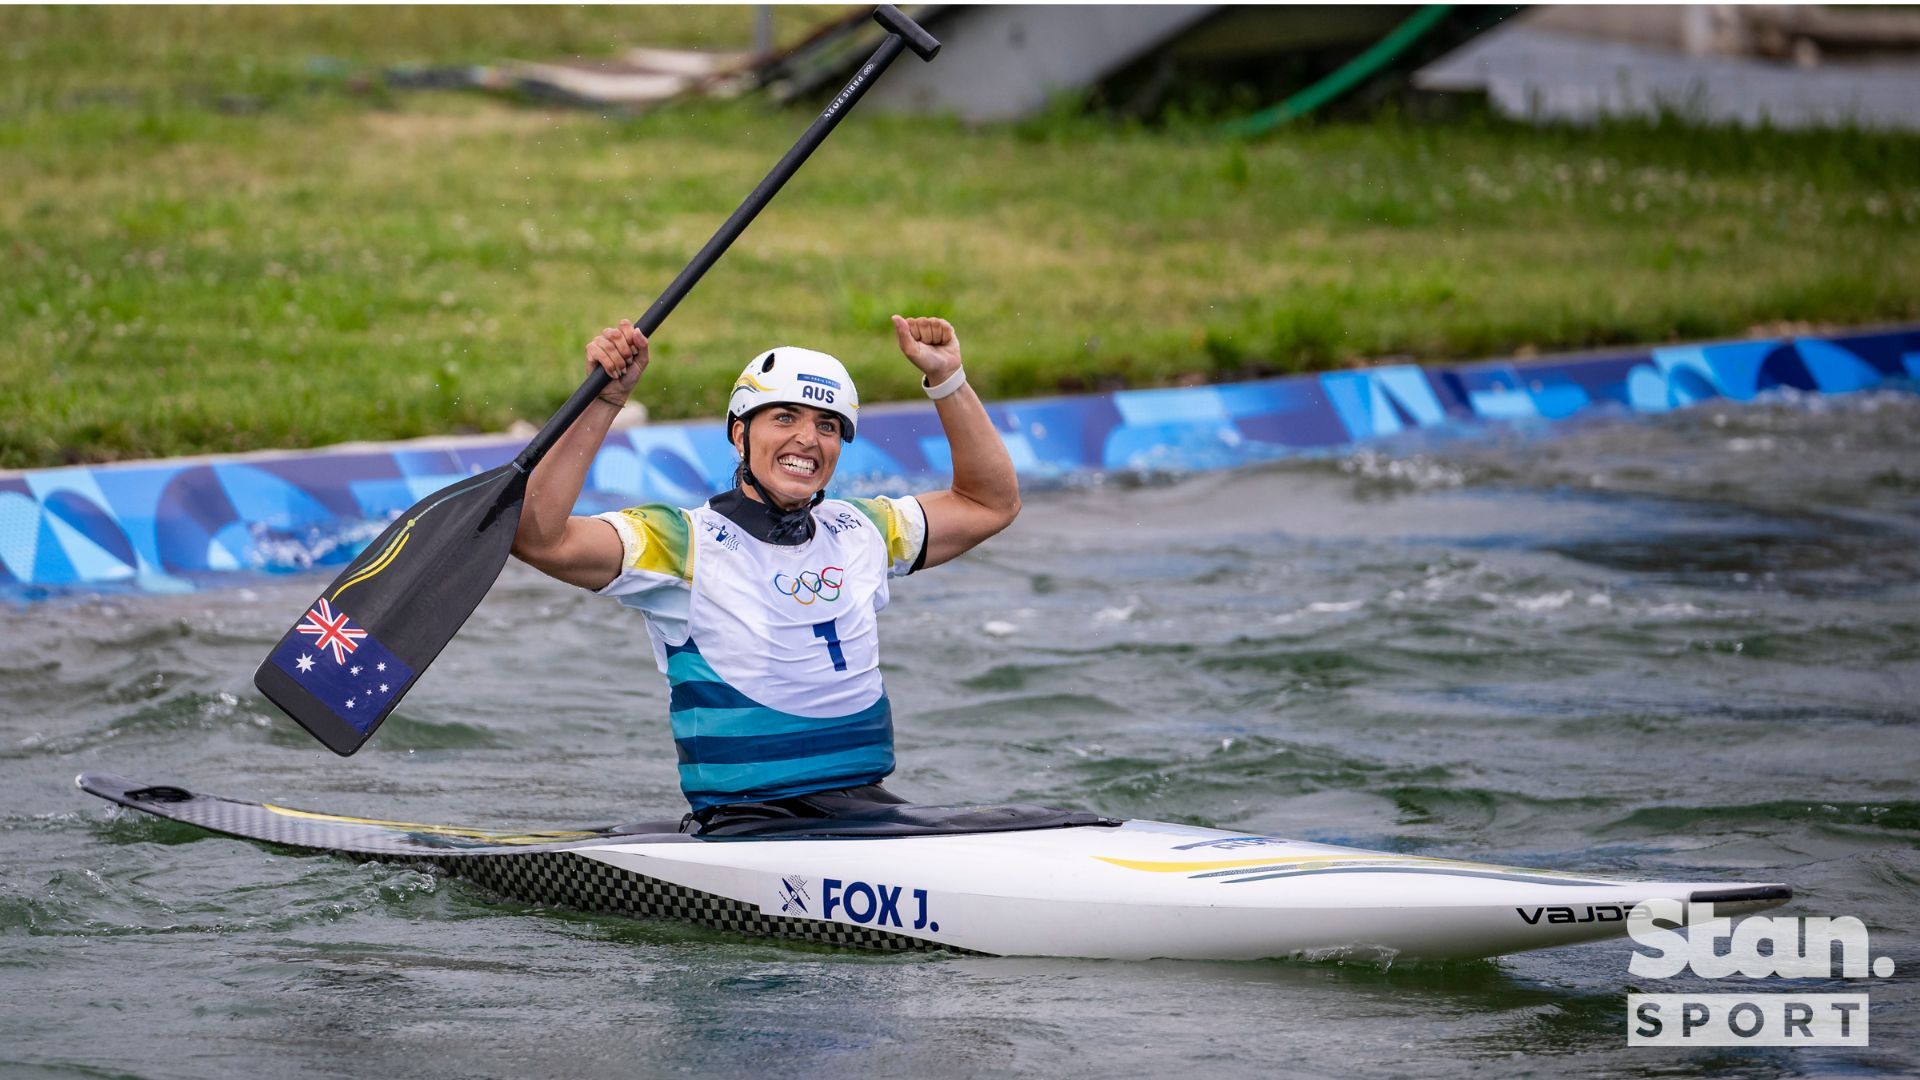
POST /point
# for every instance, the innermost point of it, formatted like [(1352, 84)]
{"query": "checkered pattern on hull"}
[(543, 873), (566, 879)]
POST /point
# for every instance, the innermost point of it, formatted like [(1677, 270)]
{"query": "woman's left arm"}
[(985, 495)]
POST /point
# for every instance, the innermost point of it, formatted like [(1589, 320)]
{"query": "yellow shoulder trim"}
[(886, 518), (662, 532)]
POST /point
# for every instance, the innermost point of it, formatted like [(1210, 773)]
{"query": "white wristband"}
[(946, 389)]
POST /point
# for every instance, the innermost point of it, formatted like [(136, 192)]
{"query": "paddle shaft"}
[(597, 380), (397, 605)]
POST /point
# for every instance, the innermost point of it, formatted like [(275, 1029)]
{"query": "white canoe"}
[(1135, 891)]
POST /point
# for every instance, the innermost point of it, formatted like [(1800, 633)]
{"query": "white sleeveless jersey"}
[(772, 652)]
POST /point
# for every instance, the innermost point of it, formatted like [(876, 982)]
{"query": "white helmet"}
[(791, 376)]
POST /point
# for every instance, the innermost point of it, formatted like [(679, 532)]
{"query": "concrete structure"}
[(1711, 63), (1003, 62)]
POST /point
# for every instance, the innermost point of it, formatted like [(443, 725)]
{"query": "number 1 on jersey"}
[(826, 630)]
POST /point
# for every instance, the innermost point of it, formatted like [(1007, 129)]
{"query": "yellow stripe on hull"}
[(439, 830), (1382, 860)]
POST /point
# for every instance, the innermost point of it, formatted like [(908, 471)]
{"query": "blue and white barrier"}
[(182, 524)]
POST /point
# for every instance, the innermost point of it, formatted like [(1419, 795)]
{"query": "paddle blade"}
[(358, 648)]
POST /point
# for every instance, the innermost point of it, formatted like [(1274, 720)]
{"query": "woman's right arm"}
[(580, 551)]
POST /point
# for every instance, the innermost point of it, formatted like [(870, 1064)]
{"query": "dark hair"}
[(740, 470)]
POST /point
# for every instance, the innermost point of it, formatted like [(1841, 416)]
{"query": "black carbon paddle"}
[(361, 645)]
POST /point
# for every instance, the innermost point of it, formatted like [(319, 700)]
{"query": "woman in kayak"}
[(761, 604)]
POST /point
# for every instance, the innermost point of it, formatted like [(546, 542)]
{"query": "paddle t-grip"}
[(922, 43)]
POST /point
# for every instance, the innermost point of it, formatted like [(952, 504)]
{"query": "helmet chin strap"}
[(789, 526)]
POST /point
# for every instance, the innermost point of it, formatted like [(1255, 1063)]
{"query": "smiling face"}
[(794, 449)]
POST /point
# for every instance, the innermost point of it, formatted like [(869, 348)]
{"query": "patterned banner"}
[(174, 526)]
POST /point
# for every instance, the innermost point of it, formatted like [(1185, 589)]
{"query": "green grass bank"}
[(226, 237)]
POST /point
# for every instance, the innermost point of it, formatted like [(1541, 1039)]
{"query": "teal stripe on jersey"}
[(759, 720), (708, 713), (857, 733), (716, 785), (686, 665)]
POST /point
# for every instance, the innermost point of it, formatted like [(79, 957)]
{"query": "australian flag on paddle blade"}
[(342, 665)]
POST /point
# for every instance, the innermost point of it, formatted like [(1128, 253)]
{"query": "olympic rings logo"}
[(809, 586)]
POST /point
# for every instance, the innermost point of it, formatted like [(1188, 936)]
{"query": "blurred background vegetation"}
[(224, 230)]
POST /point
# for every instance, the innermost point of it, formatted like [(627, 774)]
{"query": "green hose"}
[(1349, 75)]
